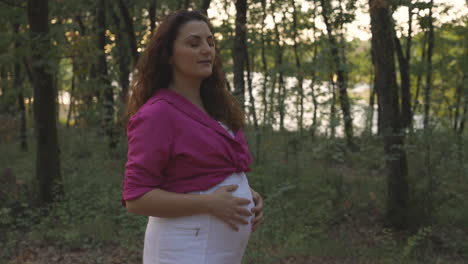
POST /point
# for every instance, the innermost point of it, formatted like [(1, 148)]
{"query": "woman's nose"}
[(206, 48)]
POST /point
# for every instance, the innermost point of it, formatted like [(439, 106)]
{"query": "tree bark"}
[(300, 77), (332, 89), (264, 65), (313, 78), (103, 76), (205, 4), (152, 14), (253, 109), (428, 87), (239, 51), (404, 62), (397, 169), (341, 76), (47, 157), (17, 84), (123, 59), (129, 29), (420, 74), (279, 69), (72, 97)]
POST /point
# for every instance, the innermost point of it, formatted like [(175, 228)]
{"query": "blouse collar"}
[(194, 112)]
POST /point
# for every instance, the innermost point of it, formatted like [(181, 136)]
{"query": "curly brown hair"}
[(154, 72)]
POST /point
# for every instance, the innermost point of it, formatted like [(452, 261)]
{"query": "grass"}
[(323, 204)]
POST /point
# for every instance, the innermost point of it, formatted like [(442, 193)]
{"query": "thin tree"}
[(239, 52), (264, 64), (300, 78), (281, 96), (103, 75), (341, 74), (313, 74), (47, 155), (122, 57), (404, 59), (128, 22), (428, 87), (152, 14), (17, 84)]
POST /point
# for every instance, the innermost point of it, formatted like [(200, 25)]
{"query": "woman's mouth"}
[(205, 61)]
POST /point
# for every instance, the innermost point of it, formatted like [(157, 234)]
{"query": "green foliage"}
[(322, 202), (402, 252)]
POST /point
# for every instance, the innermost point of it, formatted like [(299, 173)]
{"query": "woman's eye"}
[(193, 45)]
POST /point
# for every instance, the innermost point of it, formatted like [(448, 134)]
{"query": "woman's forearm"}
[(162, 203)]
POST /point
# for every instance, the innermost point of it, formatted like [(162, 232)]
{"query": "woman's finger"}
[(241, 220), (244, 212), (255, 226), (232, 225), (258, 218), (258, 206), (255, 196)]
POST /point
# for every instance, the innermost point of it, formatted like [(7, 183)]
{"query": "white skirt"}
[(199, 239)]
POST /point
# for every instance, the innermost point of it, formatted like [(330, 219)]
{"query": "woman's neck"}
[(189, 89)]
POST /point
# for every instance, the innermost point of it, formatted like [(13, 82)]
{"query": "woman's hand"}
[(229, 208), (257, 210)]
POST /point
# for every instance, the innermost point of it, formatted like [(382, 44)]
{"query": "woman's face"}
[(193, 52)]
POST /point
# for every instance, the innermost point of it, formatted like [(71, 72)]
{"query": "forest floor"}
[(365, 238)]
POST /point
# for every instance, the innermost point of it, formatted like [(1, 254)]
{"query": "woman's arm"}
[(162, 203), (221, 204)]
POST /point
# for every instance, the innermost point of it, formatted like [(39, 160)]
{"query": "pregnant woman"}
[(187, 153)]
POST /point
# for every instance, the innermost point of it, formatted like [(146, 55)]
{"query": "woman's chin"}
[(205, 74)]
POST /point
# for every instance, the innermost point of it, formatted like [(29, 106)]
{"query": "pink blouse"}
[(175, 146)]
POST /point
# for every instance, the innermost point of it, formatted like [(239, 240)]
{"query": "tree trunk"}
[(397, 169), (2, 78), (341, 76), (278, 67), (47, 157), (264, 65), (205, 4), (404, 62), (299, 70), (332, 88), (464, 116), (152, 15), (17, 84), (428, 88), (406, 86), (313, 78), (371, 110), (72, 97), (104, 81), (420, 74), (129, 29), (253, 110), (239, 51), (123, 60)]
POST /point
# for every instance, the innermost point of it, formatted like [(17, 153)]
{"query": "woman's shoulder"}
[(155, 107), (154, 112)]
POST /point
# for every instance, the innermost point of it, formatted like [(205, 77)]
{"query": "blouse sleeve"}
[(149, 142)]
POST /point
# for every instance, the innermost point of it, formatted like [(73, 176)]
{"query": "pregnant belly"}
[(224, 243), (199, 238)]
